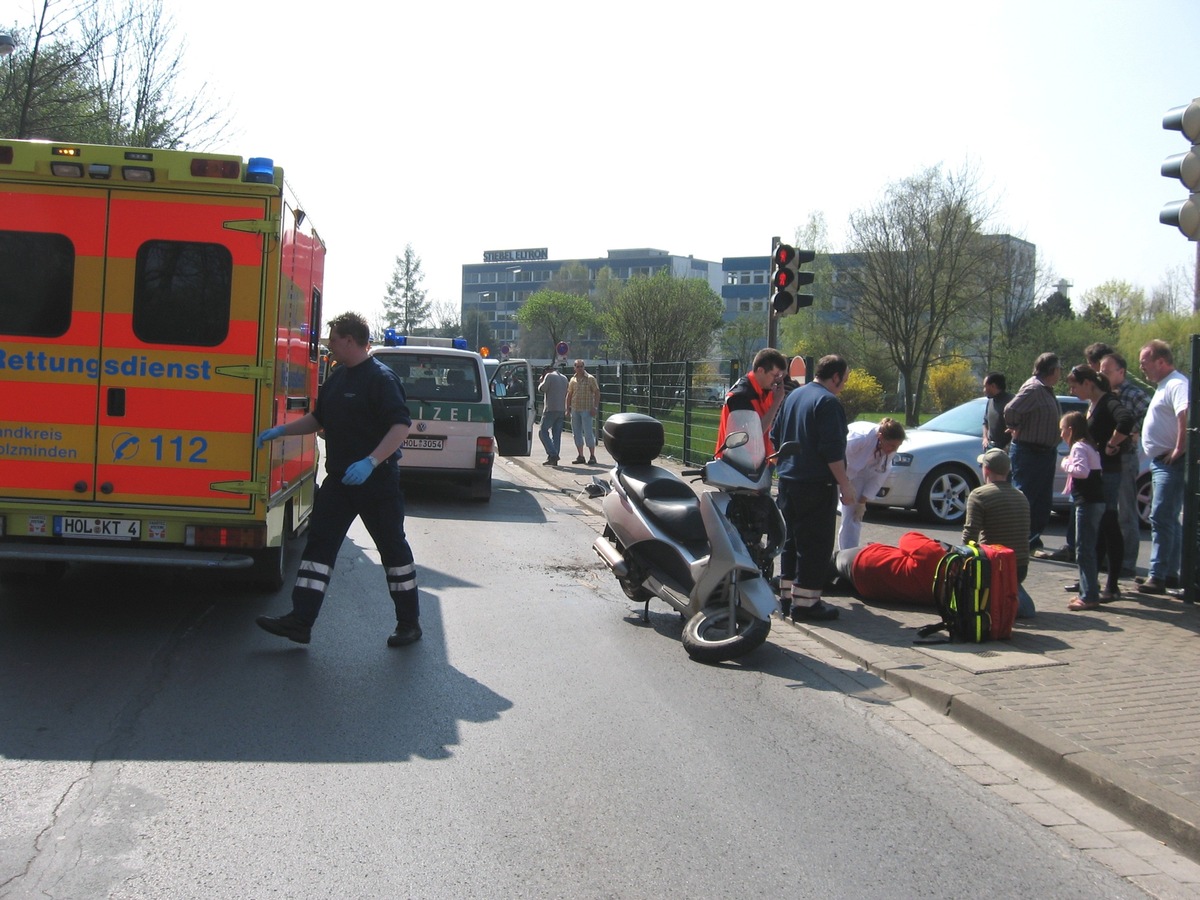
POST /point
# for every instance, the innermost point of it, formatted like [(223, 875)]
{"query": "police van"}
[(460, 420)]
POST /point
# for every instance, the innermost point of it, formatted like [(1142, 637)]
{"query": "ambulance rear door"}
[(181, 331), (52, 257)]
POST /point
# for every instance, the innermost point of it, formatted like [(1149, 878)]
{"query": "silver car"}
[(937, 466)]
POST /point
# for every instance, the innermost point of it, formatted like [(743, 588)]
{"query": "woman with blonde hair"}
[(869, 453)]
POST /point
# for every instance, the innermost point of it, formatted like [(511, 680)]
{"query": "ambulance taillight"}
[(252, 537)]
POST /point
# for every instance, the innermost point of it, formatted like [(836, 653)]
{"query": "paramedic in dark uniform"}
[(361, 406)]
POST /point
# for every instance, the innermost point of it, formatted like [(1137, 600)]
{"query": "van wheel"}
[(481, 489)]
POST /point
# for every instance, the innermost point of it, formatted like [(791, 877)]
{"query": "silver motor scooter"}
[(709, 556)]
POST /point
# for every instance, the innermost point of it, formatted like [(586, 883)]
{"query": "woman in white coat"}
[(869, 452)]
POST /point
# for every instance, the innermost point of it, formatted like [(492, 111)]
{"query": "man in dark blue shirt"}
[(810, 484), (362, 409)]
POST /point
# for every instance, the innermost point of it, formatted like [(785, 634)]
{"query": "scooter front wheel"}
[(706, 635)]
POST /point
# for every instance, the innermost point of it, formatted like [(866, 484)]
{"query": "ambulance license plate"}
[(423, 443), (105, 529)]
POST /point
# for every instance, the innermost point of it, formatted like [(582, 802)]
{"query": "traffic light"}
[(786, 279), (1184, 214)]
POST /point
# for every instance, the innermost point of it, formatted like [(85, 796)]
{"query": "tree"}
[(1178, 293), (1056, 306), (554, 316), (477, 328), (88, 72), (445, 320), (1099, 315), (404, 304), (742, 338), (1007, 291), (819, 324), (663, 319), (922, 261), (826, 326), (571, 278), (1121, 300)]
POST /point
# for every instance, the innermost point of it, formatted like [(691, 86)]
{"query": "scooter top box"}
[(633, 439)]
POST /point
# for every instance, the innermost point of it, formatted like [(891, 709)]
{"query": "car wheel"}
[(943, 494), (1145, 494)]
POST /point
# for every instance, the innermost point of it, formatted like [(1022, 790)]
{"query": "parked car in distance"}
[(937, 465)]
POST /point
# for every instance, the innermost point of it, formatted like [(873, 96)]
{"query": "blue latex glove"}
[(358, 472), (269, 435)]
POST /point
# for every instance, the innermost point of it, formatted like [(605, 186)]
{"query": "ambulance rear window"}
[(39, 276), (182, 292)]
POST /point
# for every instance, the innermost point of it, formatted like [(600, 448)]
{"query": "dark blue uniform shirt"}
[(357, 406)]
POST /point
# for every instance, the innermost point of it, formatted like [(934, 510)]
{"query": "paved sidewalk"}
[(1106, 702)]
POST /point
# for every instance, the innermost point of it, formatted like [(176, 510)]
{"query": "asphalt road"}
[(540, 741)]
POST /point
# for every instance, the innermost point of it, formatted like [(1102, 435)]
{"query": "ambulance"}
[(158, 309)]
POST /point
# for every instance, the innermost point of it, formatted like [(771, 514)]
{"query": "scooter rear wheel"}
[(706, 635)]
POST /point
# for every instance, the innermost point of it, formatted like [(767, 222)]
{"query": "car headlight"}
[(902, 459)]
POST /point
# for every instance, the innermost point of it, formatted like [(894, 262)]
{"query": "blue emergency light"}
[(392, 339), (260, 170)]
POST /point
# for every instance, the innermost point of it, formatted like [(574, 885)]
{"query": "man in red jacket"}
[(901, 574), (761, 390)]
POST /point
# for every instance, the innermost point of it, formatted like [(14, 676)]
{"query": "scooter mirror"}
[(737, 439)]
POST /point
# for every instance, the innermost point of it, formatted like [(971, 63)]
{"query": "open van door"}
[(511, 386)]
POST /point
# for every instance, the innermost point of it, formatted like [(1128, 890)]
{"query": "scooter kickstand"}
[(646, 613)]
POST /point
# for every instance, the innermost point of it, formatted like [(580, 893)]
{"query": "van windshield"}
[(432, 377)]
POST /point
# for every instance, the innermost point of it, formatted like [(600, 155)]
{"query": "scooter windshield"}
[(748, 457)]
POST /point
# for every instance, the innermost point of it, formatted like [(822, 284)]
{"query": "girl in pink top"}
[(1086, 487)]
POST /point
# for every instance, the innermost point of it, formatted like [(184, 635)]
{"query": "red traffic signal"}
[(786, 278)]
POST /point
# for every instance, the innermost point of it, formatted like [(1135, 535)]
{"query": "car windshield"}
[(964, 419), (967, 418)]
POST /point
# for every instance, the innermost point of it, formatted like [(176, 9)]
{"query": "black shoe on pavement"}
[(1152, 586), (818, 612), (1072, 588), (287, 626), (592, 461), (579, 460), (551, 461), (404, 635)]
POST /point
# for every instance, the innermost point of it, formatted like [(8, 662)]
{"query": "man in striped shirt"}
[(1032, 419)]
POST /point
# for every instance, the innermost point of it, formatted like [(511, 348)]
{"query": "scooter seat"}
[(666, 499)]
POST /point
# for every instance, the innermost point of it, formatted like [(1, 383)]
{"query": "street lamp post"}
[(6, 44), (513, 316), (479, 312)]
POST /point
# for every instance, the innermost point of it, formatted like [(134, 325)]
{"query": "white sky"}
[(467, 126)]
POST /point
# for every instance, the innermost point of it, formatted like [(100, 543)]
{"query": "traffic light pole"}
[(772, 319)]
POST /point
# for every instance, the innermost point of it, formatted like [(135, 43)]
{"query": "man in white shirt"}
[(1164, 438)]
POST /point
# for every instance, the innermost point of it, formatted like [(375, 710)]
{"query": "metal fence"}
[(685, 396)]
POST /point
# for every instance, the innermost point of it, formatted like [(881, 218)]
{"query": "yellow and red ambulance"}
[(158, 309)]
